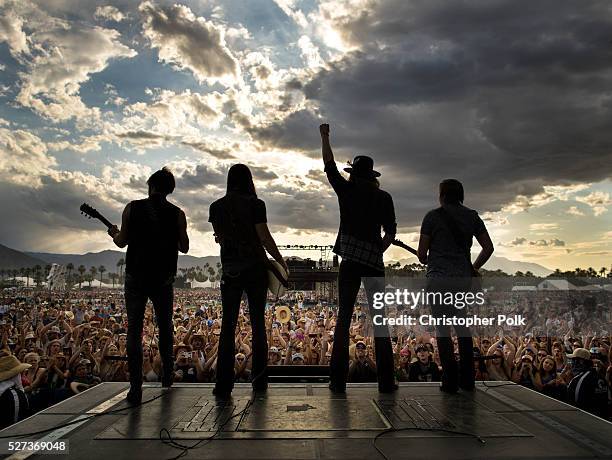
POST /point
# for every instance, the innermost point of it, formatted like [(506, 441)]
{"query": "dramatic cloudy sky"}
[(511, 97)]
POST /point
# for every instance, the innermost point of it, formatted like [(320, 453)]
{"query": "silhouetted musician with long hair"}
[(240, 224), (365, 209)]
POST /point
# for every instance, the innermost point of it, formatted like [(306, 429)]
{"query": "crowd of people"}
[(70, 341)]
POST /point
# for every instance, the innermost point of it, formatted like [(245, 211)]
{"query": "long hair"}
[(240, 179), (363, 182), (553, 371)]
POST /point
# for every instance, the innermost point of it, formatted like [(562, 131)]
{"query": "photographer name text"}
[(444, 320)]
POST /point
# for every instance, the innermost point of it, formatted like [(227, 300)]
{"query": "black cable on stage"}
[(506, 384), (445, 430), (202, 442), (414, 428), (169, 441)]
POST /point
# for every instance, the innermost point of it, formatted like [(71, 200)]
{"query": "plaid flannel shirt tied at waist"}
[(364, 252)]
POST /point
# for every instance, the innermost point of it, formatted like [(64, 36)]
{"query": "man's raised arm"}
[(326, 150)]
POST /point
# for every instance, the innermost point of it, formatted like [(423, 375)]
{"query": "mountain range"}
[(10, 258), (503, 264)]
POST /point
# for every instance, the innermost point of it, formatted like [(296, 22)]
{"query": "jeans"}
[(136, 294), (349, 282), (253, 281), (453, 374)]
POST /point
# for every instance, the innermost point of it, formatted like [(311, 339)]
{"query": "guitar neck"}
[(105, 221), (405, 246)]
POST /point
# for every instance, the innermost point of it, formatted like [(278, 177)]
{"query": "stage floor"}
[(307, 421)]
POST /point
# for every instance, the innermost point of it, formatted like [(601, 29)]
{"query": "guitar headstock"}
[(89, 211)]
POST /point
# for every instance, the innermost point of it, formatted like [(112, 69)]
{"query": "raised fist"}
[(324, 129)]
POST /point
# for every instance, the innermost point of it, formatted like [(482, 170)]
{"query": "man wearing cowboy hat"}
[(364, 210), (13, 400), (582, 390), (274, 356)]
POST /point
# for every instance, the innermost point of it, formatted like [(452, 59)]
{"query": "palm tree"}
[(92, 271), (101, 269), (602, 271), (69, 267), (113, 277), (25, 272), (89, 277), (37, 274), (201, 277), (120, 265), (81, 271)]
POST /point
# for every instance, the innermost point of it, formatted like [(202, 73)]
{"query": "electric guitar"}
[(95, 214), (90, 212), (404, 246)]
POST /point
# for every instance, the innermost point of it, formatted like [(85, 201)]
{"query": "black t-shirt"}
[(445, 257), (424, 373), (234, 218), (153, 233)]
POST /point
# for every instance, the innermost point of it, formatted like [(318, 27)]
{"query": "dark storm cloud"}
[(262, 173), (206, 148), (47, 213), (201, 176), (294, 132), (300, 209), (186, 40), (506, 96), (520, 241), (554, 242), (204, 175)]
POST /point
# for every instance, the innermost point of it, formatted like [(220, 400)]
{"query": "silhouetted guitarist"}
[(154, 230), (364, 211)]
